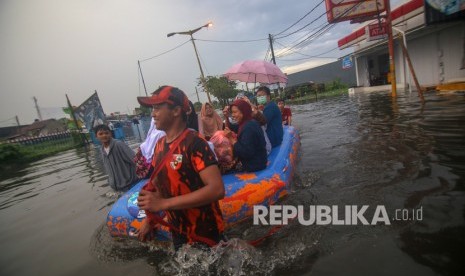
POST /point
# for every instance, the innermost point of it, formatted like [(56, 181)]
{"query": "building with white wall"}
[(436, 49)]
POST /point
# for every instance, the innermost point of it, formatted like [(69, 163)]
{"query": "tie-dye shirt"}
[(179, 176)]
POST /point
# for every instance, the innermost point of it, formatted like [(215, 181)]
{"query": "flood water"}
[(366, 149)]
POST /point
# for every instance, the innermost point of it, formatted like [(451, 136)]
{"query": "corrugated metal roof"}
[(323, 74)]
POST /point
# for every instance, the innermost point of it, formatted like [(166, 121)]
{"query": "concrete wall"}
[(438, 56), (437, 53)]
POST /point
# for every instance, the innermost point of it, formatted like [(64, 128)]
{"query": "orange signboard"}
[(343, 10)]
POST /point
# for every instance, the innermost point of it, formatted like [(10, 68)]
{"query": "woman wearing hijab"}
[(143, 158), (250, 145), (258, 116), (210, 121)]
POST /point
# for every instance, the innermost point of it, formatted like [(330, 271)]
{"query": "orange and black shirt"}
[(180, 175)]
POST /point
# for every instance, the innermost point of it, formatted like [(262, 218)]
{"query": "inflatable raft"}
[(242, 191)]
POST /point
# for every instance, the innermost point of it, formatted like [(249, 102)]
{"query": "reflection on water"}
[(367, 149)]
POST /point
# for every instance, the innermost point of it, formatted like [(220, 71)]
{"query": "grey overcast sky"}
[(49, 48)]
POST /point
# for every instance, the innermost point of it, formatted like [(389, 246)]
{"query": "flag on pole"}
[(67, 110), (90, 112)]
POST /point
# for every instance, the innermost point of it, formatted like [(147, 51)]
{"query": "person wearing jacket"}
[(249, 146), (117, 159)]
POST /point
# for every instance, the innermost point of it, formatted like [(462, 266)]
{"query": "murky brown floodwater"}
[(366, 149)]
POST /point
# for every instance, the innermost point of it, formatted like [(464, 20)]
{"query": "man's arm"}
[(212, 191)]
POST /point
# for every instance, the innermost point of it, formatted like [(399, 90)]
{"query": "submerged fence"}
[(131, 131), (53, 140), (35, 140), (25, 149)]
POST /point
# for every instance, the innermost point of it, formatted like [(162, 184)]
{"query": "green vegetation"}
[(197, 106), (143, 111), (316, 96), (224, 90), (221, 88), (15, 154), (314, 92)]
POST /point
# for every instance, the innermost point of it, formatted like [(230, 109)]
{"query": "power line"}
[(302, 27), (307, 40), (305, 58), (166, 51), (315, 56), (310, 55), (300, 18), (327, 26), (330, 50), (267, 53), (232, 41), (308, 33), (201, 60)]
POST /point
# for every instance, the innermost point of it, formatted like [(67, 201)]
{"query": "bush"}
[(9, 153), (335, 85)]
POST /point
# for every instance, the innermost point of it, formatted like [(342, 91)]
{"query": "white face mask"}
[(261, 100), (232, 121)]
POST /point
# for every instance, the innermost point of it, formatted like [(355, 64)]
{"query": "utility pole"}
[(392, 67), (18, 129), (271, 47), (197, 92), (190, 33), (272, 56), (37, 108), (202, 76), (142, 76), (83, 137)]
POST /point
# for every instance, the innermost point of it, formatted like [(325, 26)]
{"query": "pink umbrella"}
[(251, 71)]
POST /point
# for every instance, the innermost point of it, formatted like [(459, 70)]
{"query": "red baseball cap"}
[(167, 94)]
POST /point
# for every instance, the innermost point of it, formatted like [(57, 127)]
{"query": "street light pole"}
[(202, 76), (392, 67), (190, 33)]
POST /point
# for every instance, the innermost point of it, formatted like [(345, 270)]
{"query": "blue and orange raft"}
[(242, 191)]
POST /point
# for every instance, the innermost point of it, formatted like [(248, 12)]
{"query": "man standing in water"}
[(186, 182), (117, 159)]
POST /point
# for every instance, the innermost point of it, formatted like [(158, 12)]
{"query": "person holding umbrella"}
[(253, 71)]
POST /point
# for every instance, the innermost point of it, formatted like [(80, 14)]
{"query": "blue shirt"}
[(251, 147), (274, 127)]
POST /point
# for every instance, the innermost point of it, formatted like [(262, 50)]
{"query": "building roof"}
[(398, 15), (6, 132), (37, 125), (322, 74)]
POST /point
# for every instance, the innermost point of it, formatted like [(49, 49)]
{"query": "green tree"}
[(335, 84), (197, 106), (221, 88)]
